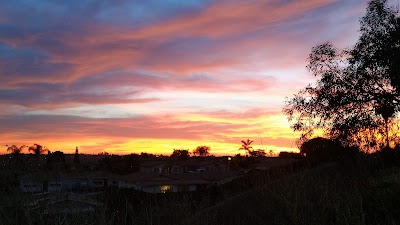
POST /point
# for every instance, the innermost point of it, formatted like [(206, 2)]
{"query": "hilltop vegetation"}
[(356, 99), (330, 194)]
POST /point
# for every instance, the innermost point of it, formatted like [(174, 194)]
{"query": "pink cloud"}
[(62, 129), (252, 49), (104, 48)]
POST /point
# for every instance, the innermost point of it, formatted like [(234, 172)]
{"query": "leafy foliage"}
[(202, 150), (182, 154), (38, 149), (321, 150), (258, 153), (246, 146), (55, 160), (56, 157), (356, 97), (16, 153), (14, 150), (145, 155)]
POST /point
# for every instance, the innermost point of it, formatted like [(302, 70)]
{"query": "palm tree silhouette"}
[(15, 153), (38, 149), (246, 146), (14, 150)]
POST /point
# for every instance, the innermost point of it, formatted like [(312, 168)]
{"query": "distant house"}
[(176, 168), (162, 183), (155, 166), (200, 165), (168, 166), (56, 182), (155, 176), (178, 182)]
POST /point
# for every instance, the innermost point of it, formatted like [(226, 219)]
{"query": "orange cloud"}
[(214, 129), (214, 75)]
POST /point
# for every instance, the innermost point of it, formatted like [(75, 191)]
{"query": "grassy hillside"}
[(330, 194)]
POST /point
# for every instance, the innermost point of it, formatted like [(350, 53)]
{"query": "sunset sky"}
[(153, 75)]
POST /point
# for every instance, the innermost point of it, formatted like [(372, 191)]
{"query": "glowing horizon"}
[(152, 76)]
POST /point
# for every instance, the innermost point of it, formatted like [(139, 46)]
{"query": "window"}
[(166, 188)]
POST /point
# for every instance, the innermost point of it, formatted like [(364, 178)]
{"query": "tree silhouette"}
[(379, 44), (55, 159), (182, 154), (146, 155), (246, 146), (321, 150), (202, 151), (258, 153), (15, 153), (76, 156), (38, 149), (357, 94), (14, 150)]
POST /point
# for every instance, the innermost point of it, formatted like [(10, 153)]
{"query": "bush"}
[(321, 150)]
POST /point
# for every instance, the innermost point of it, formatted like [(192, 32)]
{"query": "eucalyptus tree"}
[(356, 97)]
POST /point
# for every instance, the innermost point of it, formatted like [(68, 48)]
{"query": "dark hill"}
[(329, 194)]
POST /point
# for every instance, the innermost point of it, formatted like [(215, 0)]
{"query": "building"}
[(155, 176), (59, 182), (168, 166)]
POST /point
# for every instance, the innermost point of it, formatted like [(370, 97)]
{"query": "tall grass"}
[(329, 194)]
